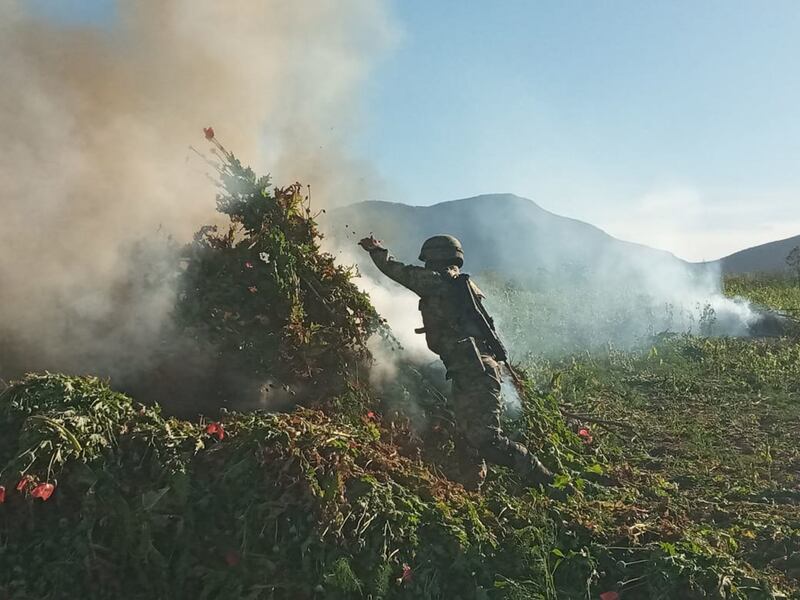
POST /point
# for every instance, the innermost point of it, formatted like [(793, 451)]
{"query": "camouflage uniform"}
[(476, 376)]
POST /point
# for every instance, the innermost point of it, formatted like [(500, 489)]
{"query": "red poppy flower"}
[(372, 416), (406, 576), (248, 264), (585, 435), (2, 494), (232, 558), (43, 491), (209, 131), (609, 596), (24, 483), (216, 429), (252, 289)]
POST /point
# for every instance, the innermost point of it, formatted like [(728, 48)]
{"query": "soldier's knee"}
[(481, 434)]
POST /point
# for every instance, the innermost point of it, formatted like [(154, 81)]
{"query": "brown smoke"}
[(96, 124)]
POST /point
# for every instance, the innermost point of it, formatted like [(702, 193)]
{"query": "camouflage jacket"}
[(442, 320)]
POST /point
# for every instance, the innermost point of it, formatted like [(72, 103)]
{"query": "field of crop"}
[(781, 293), (700, 440), (682, 448), (573, 318), (688, 478)]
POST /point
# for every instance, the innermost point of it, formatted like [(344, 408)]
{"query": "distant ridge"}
[(765, 258), (500, 232)]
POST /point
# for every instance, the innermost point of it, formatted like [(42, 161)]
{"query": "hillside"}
[(500, 232), (766, 258), (589, 288)]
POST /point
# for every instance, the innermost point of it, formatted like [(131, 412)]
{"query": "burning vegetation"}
[(353, 491), (275, 309)]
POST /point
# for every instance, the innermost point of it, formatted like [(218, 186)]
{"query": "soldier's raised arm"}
[(419, 280)]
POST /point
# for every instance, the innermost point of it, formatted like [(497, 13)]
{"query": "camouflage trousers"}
[(478, 405)]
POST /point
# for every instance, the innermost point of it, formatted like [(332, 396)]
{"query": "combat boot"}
[(539, 475), (475, 477)]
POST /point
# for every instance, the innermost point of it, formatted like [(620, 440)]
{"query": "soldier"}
[(459, 330)]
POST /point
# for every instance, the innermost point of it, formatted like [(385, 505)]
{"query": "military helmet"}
[(442, 248)]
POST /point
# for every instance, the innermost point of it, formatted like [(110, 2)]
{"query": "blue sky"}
[(94, 12), (671, 123)]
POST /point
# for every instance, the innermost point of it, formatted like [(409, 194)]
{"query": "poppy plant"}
[(406, 576), (2, 494), (24, 483), (585, 435), (216, 429), (209, 131), (609, 596), (43, 491), (248, 264)]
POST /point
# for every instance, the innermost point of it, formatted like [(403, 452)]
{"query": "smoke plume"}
[(555, 286), (96, 123)]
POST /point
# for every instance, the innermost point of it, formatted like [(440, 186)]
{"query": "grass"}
[(704, 462), (781, 293), (688, 486)]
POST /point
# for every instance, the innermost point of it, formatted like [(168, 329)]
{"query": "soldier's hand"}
[(370, 243)]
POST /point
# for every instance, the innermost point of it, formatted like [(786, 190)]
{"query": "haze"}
[(671, 124)]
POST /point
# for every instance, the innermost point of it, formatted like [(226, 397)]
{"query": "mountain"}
[(501, 233), (766, 258)]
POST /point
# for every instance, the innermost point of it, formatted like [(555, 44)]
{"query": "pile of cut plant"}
[(353, 492)]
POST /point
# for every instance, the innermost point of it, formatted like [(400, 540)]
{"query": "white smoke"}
[(512, 403), (398, 305), (555, 286), (96, 124), (623, 303)]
